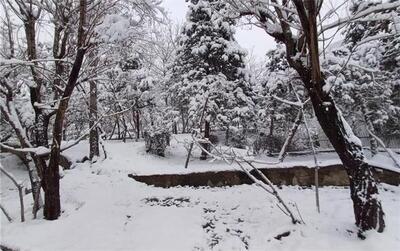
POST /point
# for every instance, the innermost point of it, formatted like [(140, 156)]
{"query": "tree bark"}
[(363, 186), (52, 207), (207, 136), (174, 128), (137, 117), (51, 175), (227, 136), (42, 120), (118, 128), (93, 116)]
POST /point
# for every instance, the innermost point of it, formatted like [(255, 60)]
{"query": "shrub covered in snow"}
[(236, 138), (269, 143), (156, 141)]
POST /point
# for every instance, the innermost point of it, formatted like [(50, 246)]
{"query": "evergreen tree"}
[(275, 84), (209, 71), (356, 76)]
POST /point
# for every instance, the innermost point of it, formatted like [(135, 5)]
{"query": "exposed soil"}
[(333, 175)]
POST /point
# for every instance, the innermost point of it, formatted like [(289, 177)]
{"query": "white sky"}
[(253, 39)]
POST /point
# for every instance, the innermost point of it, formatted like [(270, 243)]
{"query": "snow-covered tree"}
[(295, 24), (356, 75), (275, 84), (209, 71), (54, 69)]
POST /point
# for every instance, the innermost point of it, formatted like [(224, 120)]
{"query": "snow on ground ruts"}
[(103, 209)]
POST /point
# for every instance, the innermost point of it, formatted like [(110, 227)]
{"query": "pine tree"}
[(209, 71), (361, 87)]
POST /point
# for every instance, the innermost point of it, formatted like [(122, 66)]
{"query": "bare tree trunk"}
[(52, 207), (271, 125), (370, 127), (51, 175), (118, 128), (42, 120), (184, 122), (10, 29), (174, 128), (292, 132), (363, 186), (367, 208), (137, 117), (207, 136), (125, 131), (93, 116), (188, 155), (113, 130), (227, 135)]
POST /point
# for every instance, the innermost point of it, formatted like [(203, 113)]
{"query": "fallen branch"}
[(292, 132), (390, 152), (234, 158), (274, 192)]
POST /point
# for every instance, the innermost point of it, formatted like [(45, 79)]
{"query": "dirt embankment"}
[(333, 175)]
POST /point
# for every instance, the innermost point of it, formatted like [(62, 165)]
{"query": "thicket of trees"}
[(46, 72), (119, 69)]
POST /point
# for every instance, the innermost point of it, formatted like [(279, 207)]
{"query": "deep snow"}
[(103, 209)]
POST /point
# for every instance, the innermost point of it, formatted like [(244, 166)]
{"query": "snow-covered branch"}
[(265, 184), (374, 9), (389, 151)]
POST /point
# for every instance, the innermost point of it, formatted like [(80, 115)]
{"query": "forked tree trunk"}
[(51, 176), (52, 208)]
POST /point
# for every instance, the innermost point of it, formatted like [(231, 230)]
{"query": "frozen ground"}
[(103, 209)]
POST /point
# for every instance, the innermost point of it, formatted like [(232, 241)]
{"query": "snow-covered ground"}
[(103, 209), (131, 157)]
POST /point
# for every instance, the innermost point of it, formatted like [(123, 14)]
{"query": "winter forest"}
[(199, 125)]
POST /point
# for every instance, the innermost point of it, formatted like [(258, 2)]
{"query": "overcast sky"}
[(253, 39)]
